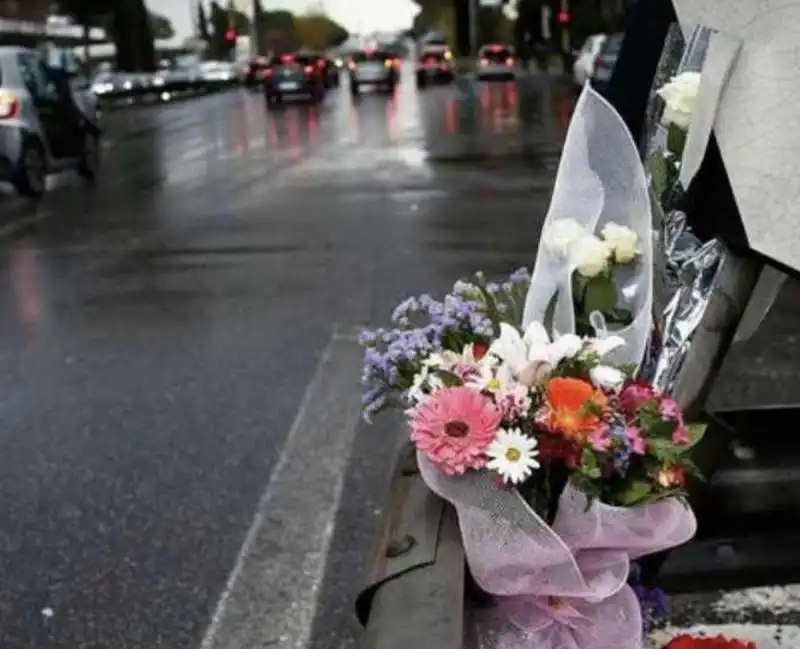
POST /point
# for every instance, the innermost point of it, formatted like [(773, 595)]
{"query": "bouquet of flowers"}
[(561, 465), (482, 394)]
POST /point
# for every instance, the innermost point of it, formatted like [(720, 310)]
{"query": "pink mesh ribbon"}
[(559, 587)]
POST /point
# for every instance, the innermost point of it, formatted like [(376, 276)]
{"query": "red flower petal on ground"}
[(717, 642)]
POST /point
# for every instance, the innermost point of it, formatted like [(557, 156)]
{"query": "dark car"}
[(256, 72), (330, 73), (605, 62), (435, 65), (294, 75)]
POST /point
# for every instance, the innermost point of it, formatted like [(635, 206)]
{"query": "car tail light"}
[(287, 58), (351, 66), (321, 64), (9, 104), (267, 72), (510, 60), (484, 62), (309, 69)]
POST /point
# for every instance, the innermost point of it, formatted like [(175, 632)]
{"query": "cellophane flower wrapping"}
[(562, 586), (600, 180)]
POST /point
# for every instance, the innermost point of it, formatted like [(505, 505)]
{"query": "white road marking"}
[(270, 597)]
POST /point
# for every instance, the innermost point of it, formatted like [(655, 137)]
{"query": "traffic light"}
[(564, 17)]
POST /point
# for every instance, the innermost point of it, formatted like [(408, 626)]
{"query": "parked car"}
[(435, 65), (374, 68), (583, 68), (293, 75), (43, 127), (496, 62), (605, 61)]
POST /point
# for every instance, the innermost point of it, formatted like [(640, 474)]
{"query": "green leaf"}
[(692, 469), (676, 139), (449, 379), (622, 317), (550, 314), (600, 295), (635, 493), (589, 466), (696, 433), (657, 166), (663, 449)]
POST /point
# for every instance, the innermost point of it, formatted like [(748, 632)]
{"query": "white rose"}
[(607, 377), (590, 256), (680, 97), (623, 241), (560, 235)]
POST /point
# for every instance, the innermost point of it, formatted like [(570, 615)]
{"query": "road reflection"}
[(24, 275)]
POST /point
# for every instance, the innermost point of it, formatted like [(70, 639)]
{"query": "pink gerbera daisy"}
[(454, 427)]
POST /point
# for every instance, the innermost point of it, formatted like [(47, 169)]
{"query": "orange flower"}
[(567, 399)]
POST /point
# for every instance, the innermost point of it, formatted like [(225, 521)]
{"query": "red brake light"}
[(266, 72), (321, 64), (495, 48), (309, 69), (484, 62), (287, 58), (510, 61), (9, 104)]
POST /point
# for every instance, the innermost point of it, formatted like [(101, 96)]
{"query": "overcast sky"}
[(355, 15)]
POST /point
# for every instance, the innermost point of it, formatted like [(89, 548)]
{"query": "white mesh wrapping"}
[(600, 179)]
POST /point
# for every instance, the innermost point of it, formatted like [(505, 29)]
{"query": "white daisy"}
[(513, 455), (491, 377)]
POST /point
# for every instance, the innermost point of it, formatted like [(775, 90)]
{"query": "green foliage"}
[(161, 26)]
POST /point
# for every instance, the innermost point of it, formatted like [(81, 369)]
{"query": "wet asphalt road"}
[(159, 332)]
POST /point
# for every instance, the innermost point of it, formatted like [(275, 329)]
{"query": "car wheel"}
[(89, 165), (30, 176)]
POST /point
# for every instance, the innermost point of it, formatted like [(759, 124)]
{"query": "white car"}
[(374, 68), (583, 68)]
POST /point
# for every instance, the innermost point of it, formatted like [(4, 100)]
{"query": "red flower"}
[(634, 395), (718, 642), (553, 449), (479, 349)]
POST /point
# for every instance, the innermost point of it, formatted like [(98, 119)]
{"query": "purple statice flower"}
[(520, 276), (493, 288), (367, 338), (507, 287), (654, 603), (403, 311), (621, 457)]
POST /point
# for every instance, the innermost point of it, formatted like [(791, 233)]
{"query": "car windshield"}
[(373, 55), (496, 54)]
